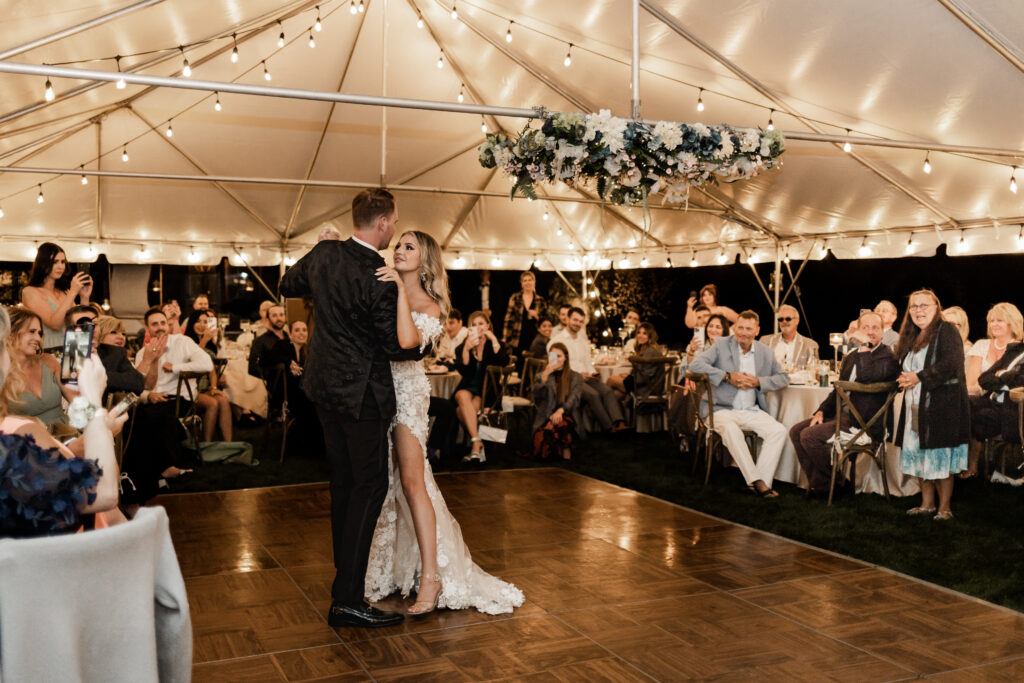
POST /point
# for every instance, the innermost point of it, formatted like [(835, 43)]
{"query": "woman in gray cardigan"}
[(556, 393)]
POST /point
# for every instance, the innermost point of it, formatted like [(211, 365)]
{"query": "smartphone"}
[(552, 357), (211, 323), (125, 403), (693, 294), (698, 335), (77, 347)]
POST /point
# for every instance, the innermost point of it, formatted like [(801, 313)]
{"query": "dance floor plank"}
[(619, 587)]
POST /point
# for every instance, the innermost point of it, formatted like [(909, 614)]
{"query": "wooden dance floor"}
[(619, 587)]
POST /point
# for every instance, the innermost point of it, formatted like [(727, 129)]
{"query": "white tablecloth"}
[(442, 385), (606, 371)]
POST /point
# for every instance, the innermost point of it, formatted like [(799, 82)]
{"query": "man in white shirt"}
[(454, 334), (597, 395), (789, 345), (179, 354), (741, 371), (563, 319)]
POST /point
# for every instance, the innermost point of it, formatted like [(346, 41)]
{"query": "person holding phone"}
[(556, 393), (52, 290), (708, 297), (480, 349), (34, 373), (211, 398)]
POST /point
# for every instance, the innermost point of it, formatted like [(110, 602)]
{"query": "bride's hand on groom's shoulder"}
[(388, 274)]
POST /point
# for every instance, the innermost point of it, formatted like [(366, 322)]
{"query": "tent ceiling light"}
[(864, 249), (440, 60), (785, 259), (40, 199), (216, 103), (455, 11), (693, 259), (280, 38), (508, 33), (266, 72), (568, 56), (362, 6), (668, 261), (312, 42), (558, 232), (186, 70), (120, 82), (50, 95), (700, 100), (170, 129), (352, 7), (846, 145), (1013, 180), (1, 212), (317, 26), (497, 262), (234, 49), (85, 178), (722, 258), (419, 21), (483, 124), (546, 216), (124, 153), (771, 123), (461, 97), (927, 168)]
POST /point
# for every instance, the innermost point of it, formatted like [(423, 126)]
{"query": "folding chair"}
[(531, 369), (707, 437), (845, 448), (497, 381)]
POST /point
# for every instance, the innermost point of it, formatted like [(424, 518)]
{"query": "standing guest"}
[(716, 327), (299, 404), (52, 290), (709, 298), (525, 309), (643, 378), (934, 425), (791, 348), (556, 393), (480, 349), (563, 319), (887, 310), (211, 399), (173, 314), (539, 347), (35, 373), (597, 395), (872, 362), (957, 317), (742, 370), (62, 488), (454, 334)]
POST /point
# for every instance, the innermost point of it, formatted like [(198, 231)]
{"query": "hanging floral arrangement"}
[(627, 160)]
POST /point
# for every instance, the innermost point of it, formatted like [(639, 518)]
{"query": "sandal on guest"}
[(421, 607), (767, 493), (914, 512), (476, 456), (943, 515), (967, 474)]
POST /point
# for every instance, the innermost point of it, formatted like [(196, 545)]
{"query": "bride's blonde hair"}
[(432, 274)]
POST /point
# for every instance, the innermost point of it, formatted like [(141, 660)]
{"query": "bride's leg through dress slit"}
[(411, 460)]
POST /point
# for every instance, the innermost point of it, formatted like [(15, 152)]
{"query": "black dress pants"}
[(358, 453)]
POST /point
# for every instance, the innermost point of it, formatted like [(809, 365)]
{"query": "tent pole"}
[(803, 313), (757, 276), (383, 92), (777, 286), (635, 104), (99, 180), (77, 28), (796, 277)]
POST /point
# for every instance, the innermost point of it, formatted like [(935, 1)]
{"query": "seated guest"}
[(263, 325), (709, 298), (109, 342), (742, 370), (642, 379), (630, 322), (717, 326), (80, 315), (173, 314), (556, 393), (539, 347), (957, 317), (993, 414), (887, 310), (524, 311), (791, 348), (563, 319), (200, 303), (298, 404), (872, 362), (36, 374), (454, 334), (45, 489), (703, 313), (167, 356), (480, 349), (272, 349), (1005, 325), (214, 403), (597, 396)]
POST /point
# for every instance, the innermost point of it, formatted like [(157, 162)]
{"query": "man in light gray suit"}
[(741, 370), (789, 345)]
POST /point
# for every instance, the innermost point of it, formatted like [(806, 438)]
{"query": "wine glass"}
[(623, 334)]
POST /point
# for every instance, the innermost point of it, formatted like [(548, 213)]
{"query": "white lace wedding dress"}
[(395, 555)]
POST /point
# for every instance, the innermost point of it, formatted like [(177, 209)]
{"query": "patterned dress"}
[(925, 463), (394, 563)]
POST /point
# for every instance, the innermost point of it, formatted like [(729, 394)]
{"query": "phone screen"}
[(126, 403), (211, 323), (77, 347)]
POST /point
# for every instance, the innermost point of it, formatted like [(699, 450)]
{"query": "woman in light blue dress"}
[(934, 425)]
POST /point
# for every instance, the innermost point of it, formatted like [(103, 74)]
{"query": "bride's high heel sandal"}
[(421, 607)]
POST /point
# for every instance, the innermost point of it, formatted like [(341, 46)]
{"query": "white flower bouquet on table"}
[(627, 161)]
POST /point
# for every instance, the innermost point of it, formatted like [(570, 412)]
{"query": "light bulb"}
[(846, 145), (722, 258), (1, 212), (143, 252), (785, 259), (643, 262), (312, 43), (606, 333), (668, 262), (771, 124), (124, 154), (440, 61), (120, 84), (318, 26), (50, 95), (864, 249), (910, 244), (280, 40), (455, 12), (483, 127), (193, 256), (497, 262), (459, 261), (362, 6), (1020, 238), (266, 74), (419, 24), (186, 70), (234, 53), (1013, 181), (624, 263), (461, 96), (170, 129), (700, 100), (105, 305), (85, 179), (632, 242), (40, 199), (546, 217), (693, 260), (216, 104), (352, 7), (927, 164), (597, 313), (568, 56), (508, 33), (559, 231)]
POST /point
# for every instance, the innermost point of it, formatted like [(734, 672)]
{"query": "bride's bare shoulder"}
[(429, 308)]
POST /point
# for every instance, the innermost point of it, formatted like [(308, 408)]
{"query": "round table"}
[(606, 371), (442, 384)]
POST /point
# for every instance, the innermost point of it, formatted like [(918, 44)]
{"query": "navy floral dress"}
[(41, 490)]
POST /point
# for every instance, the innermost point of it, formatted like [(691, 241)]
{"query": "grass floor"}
[(980, 552)]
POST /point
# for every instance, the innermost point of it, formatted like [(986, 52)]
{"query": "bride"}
[(417, 542)]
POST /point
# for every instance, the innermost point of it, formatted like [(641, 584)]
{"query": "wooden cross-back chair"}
[(845, 448)]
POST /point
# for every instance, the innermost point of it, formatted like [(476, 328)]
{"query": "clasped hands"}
[(907, 380), (743, 380)]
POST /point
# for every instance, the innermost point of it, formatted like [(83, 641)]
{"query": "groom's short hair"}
[(369, 205)]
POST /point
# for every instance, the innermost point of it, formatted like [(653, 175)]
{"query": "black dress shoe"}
[(361, 615)]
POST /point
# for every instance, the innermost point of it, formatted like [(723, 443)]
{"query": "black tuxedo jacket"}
[(355, 335)]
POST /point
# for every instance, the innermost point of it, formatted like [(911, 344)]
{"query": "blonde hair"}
[(961, 318), (1011, 314), (479, 314), (433, 276), (14, 383), (5, 330), (108, 324)]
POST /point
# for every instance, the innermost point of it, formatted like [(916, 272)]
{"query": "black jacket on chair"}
[(355, 334)]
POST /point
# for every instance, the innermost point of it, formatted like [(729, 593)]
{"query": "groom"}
[(348, 376)]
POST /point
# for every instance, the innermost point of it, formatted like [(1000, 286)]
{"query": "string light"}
[(352, 7), (461, 97), (124, 153), (90, 250), (85, 178), (864, 249), (508, 33), (624, 262), (1020, 238), (722, 258), (846, 145), (317, 26), (193, 257), (440, 60), (1, 212), (143, 251), (1013, 180), (571, 246), (186, 70), (419, 24), (50, 95), (266, 73), (280, 38), (170, 128), (910, 244), (312, 43), (40, 199), (558, 232), (668, 261), (362, 7), (546, 216), (597, 314), (632, 241), (693, 259), (700, 100), (483, 124), (234, 50), (497, 262), (455, 12), (216, 104), (785, 259), (927, 163), (120, 82), (771, 124), (459, 261), (824, 248), (568, 56)]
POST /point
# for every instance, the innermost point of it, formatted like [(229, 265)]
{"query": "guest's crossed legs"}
[(602, 402)]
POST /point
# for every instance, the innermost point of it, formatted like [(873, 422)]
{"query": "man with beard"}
[(271, 355)]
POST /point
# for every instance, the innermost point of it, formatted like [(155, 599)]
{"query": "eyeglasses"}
[(785, 320), (920, 307)]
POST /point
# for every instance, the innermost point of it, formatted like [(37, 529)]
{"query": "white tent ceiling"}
[(932, 72)]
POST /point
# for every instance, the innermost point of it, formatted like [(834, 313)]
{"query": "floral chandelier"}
[(627, 161)]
